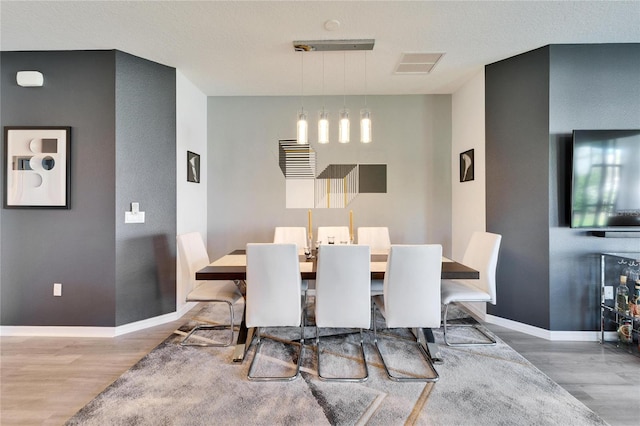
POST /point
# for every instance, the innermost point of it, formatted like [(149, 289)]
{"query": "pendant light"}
[(302, 125), (343, 125), (365, 113), (323, 115)]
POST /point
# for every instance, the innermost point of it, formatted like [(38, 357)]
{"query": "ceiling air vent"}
[(417, 63)]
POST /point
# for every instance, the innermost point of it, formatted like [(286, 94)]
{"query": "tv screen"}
[(605, 189)]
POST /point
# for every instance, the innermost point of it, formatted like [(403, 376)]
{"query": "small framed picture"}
[(466, 166), (37, 167), (193, 167)]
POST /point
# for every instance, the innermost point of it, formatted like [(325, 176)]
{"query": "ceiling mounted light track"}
[(332, 45), (323, 116)]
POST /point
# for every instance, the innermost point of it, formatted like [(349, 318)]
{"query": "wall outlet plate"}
[(57, 289), (608, 292), (130, 217)]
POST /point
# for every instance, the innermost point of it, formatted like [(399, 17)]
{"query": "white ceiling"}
[(243, 48)]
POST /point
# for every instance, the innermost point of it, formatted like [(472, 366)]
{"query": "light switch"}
[(608, 292)]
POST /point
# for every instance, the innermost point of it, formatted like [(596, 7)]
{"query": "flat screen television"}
[(605, 186)]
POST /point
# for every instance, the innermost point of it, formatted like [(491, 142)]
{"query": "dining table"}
[(233, 266)]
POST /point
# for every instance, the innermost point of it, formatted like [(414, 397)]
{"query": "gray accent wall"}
[(145, 173), (548, 274), (246, 192), (79, 247)]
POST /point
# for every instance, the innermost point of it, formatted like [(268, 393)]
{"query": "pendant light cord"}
[(323, 81), (344, 78), (302, 81), (365, 78)]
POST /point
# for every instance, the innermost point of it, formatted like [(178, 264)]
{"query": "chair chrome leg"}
[(343, 379), (212, 327), (250, 375), (426, 356), (491, 341)]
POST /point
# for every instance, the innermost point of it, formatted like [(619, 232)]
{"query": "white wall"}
[(468, 198), (468, 202), (191, 129), (411, 135)]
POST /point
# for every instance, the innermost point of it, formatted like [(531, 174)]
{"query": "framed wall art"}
[(193, 167), (466, 166), (37, 168)]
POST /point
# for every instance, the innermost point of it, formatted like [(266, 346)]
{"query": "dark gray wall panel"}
[(585, 87), (75, 247), (146, 173), (517, 162), (591, 87)]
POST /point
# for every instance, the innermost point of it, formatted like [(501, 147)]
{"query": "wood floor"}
[(604, 378), (44, 381)]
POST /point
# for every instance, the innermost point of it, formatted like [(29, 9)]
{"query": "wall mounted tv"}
[(605, 183)]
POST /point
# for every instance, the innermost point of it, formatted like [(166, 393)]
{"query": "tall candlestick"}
[(310, 229), (351, 225)]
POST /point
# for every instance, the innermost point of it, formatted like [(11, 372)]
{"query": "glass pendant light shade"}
[(365, 125), (323, 126), (343, 127), (302, 128)]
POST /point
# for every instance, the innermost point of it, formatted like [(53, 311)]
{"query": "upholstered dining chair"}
[(411, 297), (273, 296), (481, 254), (339, 233), (298, 236), (194, 257), (291, 234), (343, 298), (378, 239)]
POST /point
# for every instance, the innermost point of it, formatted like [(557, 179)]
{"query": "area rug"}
[(176, 385)]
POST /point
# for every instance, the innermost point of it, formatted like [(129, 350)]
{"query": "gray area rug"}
[(175, 385)]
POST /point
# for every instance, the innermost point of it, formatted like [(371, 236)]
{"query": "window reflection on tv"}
[(606, 179)]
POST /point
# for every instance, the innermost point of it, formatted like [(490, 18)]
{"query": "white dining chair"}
[(273, 297), (193, 255), (343, 297), (292, 234), (378, 239), (340, 234), (298, 236), (481, 254), (411, 298)]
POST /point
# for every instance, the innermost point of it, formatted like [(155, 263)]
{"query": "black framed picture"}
[(466, 166), (37, 164), (193, 167)]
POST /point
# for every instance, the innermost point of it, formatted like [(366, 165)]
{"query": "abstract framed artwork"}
[(193, 167), (466, 166), (37, 164)]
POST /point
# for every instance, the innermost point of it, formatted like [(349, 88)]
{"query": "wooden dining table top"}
[(233, 266)]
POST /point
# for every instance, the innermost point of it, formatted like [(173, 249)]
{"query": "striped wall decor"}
[(334, 188), (297, 161)]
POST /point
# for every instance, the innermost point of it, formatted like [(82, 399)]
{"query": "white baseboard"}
[(63, 331), (574, 336)]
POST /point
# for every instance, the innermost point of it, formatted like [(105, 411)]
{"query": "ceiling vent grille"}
[(417, 63)]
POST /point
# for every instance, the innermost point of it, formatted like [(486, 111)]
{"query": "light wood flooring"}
[(45, 381)]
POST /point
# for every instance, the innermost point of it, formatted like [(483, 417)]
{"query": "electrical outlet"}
[(608, 292), (57, 289)]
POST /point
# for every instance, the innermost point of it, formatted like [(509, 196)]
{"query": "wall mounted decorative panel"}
[(335, 187)]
